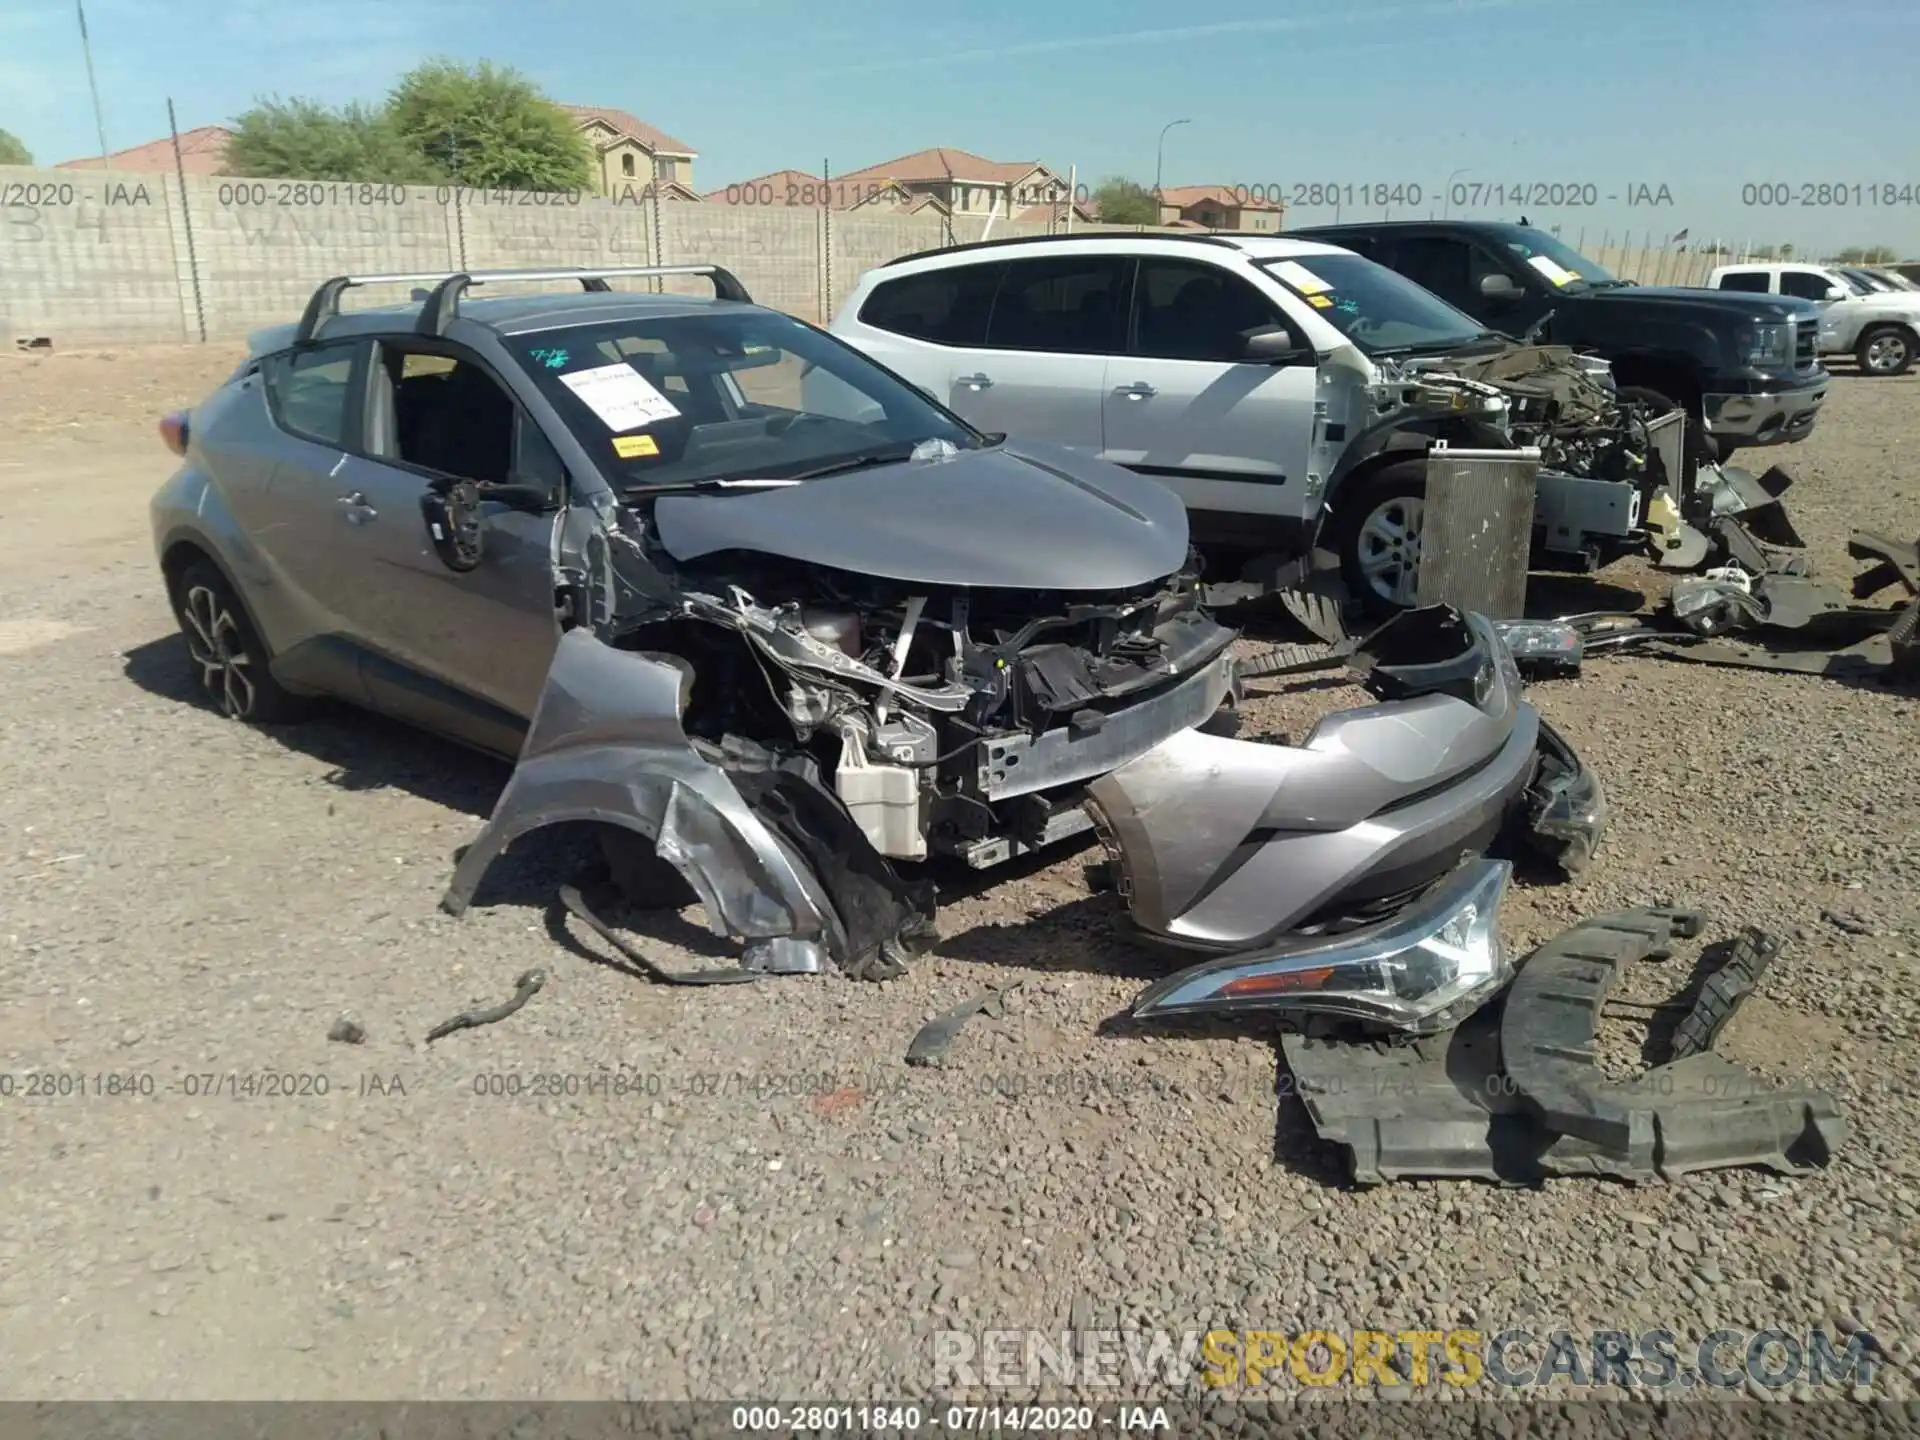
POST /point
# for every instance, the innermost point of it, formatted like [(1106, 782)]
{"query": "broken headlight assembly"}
[(1421, 972)]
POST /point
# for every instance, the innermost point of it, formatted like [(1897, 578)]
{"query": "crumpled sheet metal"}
[(606, 745), (1512, 1094)]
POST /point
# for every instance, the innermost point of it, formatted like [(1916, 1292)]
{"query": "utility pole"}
[(86, 49)]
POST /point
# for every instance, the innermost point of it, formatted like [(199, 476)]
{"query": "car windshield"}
[(1381, 312), (1561, 264), (1895, 279), (727, 395), (1866, 282)]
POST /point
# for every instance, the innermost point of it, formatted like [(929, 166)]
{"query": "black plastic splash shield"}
[(1512, 1094)]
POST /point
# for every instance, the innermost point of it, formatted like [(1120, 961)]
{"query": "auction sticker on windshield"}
[(1300, 278), (620, 395), (632, 447), (1552, 269)]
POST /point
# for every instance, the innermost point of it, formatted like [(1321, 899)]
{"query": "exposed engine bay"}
[(1604, 459), (775, 731), (951, 721)]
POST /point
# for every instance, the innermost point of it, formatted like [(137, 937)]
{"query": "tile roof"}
[(203, 151), (763, 190), (1183, 196), (626, 124), (939, 162)]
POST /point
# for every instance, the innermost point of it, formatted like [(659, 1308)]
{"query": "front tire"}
[(1376, 533), (229, 659), (1885, 350)]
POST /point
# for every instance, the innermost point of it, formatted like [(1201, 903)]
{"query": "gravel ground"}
[(185, 897)]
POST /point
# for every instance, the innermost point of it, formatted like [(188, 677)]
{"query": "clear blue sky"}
[(1701, 96)]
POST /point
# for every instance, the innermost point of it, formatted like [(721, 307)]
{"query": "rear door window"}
[(943, 307), (309, 392), (1755, 282), (1070, 305)]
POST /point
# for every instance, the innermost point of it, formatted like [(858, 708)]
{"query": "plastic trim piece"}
[(1512, 1094)]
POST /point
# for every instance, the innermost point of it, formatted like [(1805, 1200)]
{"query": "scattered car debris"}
[(930, 1046), (577, 906), (1512, 1094), (1724, 991), (347, 1031), (1543, 649), (525, 988), (1847, 921), (1782, 618)]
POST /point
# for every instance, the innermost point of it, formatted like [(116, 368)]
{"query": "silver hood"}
[(1023, 516)]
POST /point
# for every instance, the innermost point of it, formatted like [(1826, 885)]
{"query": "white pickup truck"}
[(1879, 328)]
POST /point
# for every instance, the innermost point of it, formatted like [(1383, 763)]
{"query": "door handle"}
[(1139, 390), (357, 509), (975, 382)]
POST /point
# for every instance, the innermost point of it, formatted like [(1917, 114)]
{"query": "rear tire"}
[(229, 659), (1885, 351), (1376, 533)]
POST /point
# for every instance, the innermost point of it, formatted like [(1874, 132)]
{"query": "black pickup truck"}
[(1743, 366)]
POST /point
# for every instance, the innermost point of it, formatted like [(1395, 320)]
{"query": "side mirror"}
[(1834, 292), (1272, 346), (521, 494), (1499, 287)]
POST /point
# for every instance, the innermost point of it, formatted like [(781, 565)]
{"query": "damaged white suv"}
[(1287, 390)]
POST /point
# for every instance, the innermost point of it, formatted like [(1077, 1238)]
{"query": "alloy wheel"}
[(1388, 548), (219, 649), (1886, 352)]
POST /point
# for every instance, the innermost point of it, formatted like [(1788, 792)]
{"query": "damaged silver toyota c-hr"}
[(760, 610)]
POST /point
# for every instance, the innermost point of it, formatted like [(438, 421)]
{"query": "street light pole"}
[(1160, 153)]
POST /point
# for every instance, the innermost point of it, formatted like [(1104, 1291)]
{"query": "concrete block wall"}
[(91, 257)]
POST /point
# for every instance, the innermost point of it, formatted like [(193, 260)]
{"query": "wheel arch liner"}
[(606, 745)]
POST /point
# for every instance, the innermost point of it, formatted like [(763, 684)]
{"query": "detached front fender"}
[(607, 745)]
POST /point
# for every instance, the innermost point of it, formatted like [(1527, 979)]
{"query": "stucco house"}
[(1219, 207), (967, 184), (632, 153)]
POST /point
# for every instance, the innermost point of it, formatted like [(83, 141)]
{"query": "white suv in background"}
[(1879, 328), (1287, 390)]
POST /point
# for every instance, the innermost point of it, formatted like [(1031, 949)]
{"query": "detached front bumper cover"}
[(1424, 970)]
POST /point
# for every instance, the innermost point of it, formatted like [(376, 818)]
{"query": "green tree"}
[(1121, 201), (12, 152), (1762, 252), (490, 127), (1786, 252), (305, 140)]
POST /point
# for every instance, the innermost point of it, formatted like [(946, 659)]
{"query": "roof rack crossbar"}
[(1226, 238), (442, 302)]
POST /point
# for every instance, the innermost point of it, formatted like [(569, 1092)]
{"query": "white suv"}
[(1880, 328), (1287, 390)]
